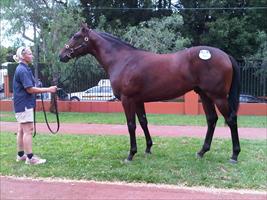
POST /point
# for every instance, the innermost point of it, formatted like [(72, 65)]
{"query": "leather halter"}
[(86, 39)]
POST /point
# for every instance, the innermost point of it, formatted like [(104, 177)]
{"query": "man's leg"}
[(20, 146), (27, 136), (27, 141)]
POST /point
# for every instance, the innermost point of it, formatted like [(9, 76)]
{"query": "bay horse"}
[(139, 76)]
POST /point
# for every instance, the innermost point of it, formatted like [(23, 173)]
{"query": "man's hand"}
[(52, 89)]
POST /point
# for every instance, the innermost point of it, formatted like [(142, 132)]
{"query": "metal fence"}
[(87, 75), (253, 78)]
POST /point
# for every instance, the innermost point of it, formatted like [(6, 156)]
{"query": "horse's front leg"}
[(129, 109)]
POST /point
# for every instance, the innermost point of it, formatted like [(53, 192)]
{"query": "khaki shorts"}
[(26, 116)]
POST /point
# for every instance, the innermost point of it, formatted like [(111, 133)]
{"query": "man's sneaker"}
[(22, 158), (35, 160)]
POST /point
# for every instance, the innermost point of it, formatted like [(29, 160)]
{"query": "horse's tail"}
[(234, 93)]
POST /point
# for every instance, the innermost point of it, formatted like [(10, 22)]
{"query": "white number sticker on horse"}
[(204, 54)]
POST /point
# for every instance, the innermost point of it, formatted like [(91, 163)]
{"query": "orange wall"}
[(245, 109)]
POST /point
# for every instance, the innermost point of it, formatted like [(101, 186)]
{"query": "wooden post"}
[(191, 103), (6, 86)]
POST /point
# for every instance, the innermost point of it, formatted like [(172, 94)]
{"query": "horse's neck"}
[(103, 51), (106, 54)]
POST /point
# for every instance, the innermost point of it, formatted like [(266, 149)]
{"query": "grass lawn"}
[(173, 161), (156, 119)]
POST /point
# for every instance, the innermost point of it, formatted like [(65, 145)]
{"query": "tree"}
[(55, 34), (229, 26), (121, 13), (5, 54), (233, 36), (51, 21), (158, 35)]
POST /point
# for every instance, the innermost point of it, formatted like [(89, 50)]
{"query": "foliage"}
[(120, 14), (5, 3), (260, 53), (6, 54), (257, 18), (231, 35), (54, 35), (55, 23), (52, 22), (84, 74), (158, 35), (234, 30), (88, 157)]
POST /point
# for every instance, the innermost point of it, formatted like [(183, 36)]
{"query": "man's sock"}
[(20, 153), (30, 155)]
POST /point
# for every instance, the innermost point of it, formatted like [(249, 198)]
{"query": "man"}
[(24, 103)]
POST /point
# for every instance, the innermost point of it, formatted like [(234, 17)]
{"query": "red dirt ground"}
[(167, 131), (24, 188)]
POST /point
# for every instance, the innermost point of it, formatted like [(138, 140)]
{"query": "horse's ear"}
[(84, 26)]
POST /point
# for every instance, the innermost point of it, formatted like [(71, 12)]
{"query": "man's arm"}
[(36, 90)]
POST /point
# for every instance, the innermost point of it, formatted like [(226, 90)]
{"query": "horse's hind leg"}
[(129, 109), (141, 113), (231, 120), (211, 117)]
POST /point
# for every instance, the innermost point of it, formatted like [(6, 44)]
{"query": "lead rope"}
[(56, 113), (34, 122), (46, 121), (56, 108)]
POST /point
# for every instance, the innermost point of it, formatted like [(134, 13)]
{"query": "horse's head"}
[(77, 46)]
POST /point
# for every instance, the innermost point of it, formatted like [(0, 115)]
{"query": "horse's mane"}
[(112, 38)]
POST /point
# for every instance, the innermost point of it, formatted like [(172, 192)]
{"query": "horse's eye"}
[(75, 37)]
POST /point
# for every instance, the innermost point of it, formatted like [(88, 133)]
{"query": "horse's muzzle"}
[(63, 58)]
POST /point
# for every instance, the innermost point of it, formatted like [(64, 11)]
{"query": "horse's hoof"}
[(199, 156), (147, 154), (127, 161), (232, 161), (148, 151)]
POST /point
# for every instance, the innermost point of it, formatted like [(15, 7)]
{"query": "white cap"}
[(19, 54)]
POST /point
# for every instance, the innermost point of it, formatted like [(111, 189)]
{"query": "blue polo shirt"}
[(23, 78)]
